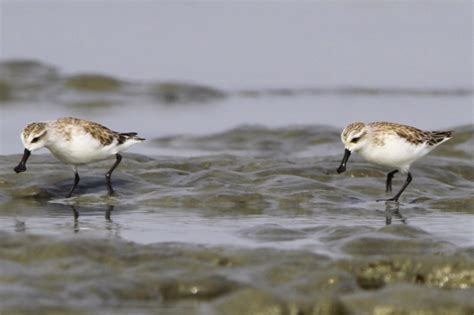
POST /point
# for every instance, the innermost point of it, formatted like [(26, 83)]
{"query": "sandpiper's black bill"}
[(342, 167), (21, 167)]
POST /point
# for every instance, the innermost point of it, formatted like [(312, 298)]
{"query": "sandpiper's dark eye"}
[(354, 140), (36, 139)]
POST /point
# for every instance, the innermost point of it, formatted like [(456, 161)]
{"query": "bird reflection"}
[(108, 212), (108, 217), (393, 211), (76, 219), (20, 226)]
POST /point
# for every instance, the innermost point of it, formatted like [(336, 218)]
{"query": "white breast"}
[(82, 148), (394, 152)]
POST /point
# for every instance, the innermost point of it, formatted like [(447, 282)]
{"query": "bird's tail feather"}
[(129, 136), (439, 137)]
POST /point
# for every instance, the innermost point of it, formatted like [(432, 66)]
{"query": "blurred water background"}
[(269, 63)]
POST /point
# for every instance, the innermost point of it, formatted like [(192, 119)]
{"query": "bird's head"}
[(354, 137), (34, 137)]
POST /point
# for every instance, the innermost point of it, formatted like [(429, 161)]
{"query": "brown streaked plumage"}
[(76, 142), (411, 134), (103, 134), (34, 128), (353, 127), (390, 144)]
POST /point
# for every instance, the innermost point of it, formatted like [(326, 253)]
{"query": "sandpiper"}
[(76, 142), (390, 144)]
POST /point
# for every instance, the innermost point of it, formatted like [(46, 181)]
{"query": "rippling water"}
[(251, 219)]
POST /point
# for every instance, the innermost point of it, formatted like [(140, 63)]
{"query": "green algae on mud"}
[(23, 81), (5, 91), (114, 275), (175, 92), (93, 82), (27, 80)]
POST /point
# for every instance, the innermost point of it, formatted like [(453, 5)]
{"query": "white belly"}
[(395, 152), (82, 149)]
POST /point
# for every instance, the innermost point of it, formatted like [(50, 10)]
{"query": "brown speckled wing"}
[(410, 134), (103, 134)]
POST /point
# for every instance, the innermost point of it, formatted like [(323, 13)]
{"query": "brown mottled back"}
[(103, 134), (412, 134)]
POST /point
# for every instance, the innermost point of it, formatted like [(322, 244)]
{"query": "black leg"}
[(76, 181), (390, 175), (109, 173), (395, 198)]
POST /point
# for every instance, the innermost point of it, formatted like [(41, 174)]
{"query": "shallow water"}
[(32, 91), (252, 219)]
